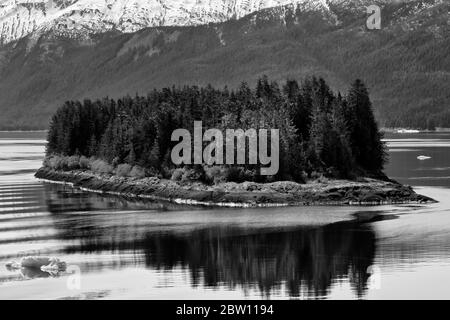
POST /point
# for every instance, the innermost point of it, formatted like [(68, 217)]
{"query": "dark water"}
[(405, 167), (146, 250)]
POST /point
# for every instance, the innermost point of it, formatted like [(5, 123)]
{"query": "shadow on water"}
[(307, 261), (302, 261), (60, 199)]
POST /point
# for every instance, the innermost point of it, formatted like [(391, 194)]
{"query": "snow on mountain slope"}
[(19, 18)]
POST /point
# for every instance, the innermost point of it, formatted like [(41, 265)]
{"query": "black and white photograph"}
[(250, 151)]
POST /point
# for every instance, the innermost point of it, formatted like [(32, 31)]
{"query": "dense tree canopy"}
[(321, 133)]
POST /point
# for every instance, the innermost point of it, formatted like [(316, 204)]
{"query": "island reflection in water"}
[(304, 260)]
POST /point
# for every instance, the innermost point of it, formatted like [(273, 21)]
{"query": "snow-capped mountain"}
[(19, 18), (405, 64)]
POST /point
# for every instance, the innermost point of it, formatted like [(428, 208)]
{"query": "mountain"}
[(18, 18), (82, 18), (405, 64)]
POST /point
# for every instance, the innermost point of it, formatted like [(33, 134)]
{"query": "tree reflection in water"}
[(307, 260), (303, 261)]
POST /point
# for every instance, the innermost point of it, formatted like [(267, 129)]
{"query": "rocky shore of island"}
[(363, 191)]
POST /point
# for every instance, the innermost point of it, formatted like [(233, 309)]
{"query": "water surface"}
[(153, 250)]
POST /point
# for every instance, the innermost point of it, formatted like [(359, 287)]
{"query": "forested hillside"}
[(321, 132), (405, 65)]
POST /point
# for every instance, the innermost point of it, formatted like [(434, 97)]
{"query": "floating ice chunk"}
[(13, 265), (407, 131), (42, 263)]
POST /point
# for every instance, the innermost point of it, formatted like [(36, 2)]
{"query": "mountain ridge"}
[(405, 64), (20, 18)]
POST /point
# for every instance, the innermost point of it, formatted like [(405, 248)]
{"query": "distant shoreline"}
[(366, 191), (396, 130)]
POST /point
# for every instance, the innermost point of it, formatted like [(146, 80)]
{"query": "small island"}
[(330, 148)]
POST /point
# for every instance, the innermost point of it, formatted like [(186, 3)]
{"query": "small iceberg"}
[(422, 158), (45, 264), (407, 131)]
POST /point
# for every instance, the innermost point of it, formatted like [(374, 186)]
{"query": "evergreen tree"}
[(366, 139), (319, 131)]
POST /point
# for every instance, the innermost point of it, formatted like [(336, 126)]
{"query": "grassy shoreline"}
[(365, 191)]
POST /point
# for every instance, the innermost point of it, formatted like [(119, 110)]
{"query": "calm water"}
[(125, 249)]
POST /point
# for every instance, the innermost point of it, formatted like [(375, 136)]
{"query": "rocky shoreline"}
[(366, 191)]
